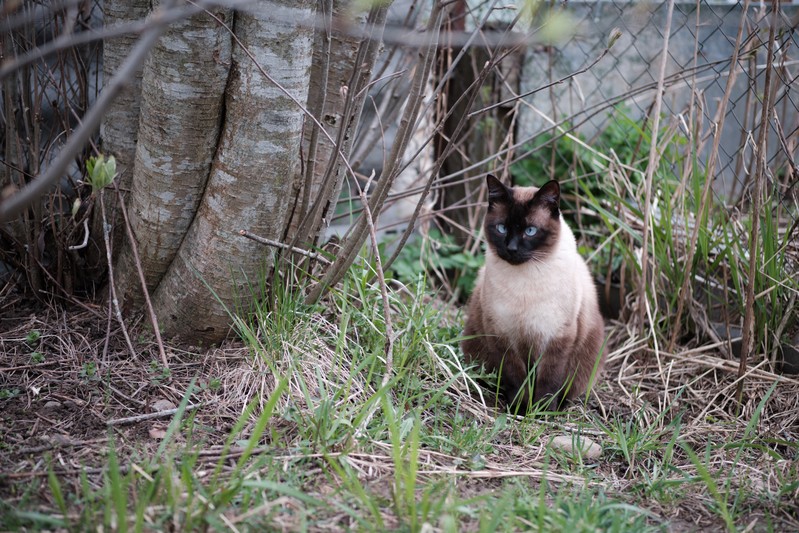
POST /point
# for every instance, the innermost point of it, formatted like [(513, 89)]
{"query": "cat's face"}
[(522, 223)]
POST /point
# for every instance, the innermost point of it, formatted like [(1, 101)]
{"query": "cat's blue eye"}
[(530, 231), (501, 229)]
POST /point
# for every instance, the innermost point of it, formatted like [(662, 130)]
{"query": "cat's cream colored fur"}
[(537, 300)]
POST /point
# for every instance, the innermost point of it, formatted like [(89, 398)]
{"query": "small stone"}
[(52, 404), (162, 405), (573, 444), (157, 433)]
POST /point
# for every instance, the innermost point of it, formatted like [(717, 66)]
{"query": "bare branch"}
[(389, 345), (13, 206), (269, 242), (135, 250), (112, 294), (541, 88), (149, 416), (754, 234), (353, 242)]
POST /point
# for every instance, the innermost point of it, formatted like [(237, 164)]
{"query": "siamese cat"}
[(533, 316)]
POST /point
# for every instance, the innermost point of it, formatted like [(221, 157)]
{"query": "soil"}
[(66, 378)]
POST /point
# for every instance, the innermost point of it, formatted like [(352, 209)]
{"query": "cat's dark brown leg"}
[(496, 356), (514, 384), (549, 387), (552, 376)]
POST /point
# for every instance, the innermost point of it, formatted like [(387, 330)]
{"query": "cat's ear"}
[(549, 196), (497, 191)]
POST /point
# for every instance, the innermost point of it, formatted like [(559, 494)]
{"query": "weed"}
[(438, 256), (89, 371), (158, 372), (6, 394), (33, 337), (213, 384)]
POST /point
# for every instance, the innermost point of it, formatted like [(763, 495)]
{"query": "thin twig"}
[(389, 346), (754, 235), (614, 36), (316, 108), (269, 242), (149, 416), (65, 443), (123, 469), (654, 160), (137, 261), (111, 284), (27, 367)]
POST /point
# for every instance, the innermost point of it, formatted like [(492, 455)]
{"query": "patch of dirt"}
[(67, 379)]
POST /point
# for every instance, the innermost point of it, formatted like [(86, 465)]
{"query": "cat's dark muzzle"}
[(513, 253), (514, 258)]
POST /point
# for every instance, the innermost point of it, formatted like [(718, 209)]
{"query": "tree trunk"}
[(119, 128), (340, 74), (216, 270), (182, 104), (120, 125)]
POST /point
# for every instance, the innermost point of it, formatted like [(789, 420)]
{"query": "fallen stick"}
[(148, 416)]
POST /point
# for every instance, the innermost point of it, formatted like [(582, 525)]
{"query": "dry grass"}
[(59, 409)]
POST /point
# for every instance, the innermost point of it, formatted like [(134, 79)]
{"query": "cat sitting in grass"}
[(533, 317)]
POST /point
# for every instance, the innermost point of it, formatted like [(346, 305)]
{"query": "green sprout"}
[(33, 336), (101, 171)]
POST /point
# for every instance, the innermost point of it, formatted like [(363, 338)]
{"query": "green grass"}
[(325, 438)]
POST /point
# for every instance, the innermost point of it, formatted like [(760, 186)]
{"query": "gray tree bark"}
[(342, 68), (182, 101), (120, 126), (251, 175)]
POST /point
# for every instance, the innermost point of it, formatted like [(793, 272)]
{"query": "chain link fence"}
[(701, 44)]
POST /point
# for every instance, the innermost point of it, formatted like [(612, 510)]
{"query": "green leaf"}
[(101, 171)]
